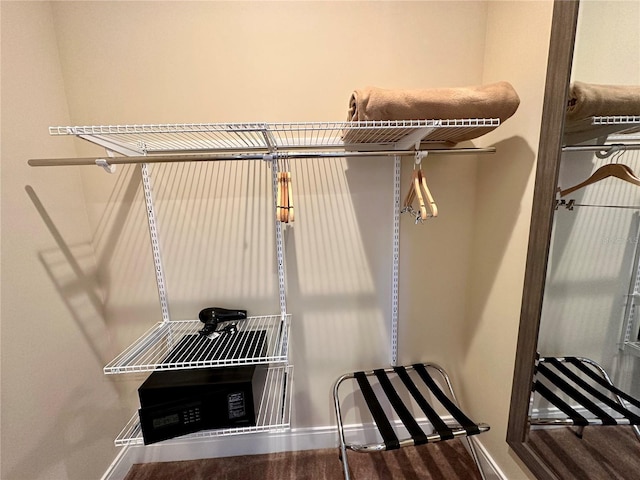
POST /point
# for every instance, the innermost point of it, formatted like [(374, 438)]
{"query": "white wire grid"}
[(159, 347), (617, 124), (617, 120), (273, 413), (269, 137)]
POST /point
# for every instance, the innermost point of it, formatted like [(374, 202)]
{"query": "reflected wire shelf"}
[(175, 344), (273, 415), (599, 127)]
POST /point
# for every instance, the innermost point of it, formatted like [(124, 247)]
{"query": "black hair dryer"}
[(213, 316)]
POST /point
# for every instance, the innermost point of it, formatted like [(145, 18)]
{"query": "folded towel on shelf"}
[(591, 100), (496, 100), (588, 100)]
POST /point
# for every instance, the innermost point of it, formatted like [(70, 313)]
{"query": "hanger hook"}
[(609, 151), (420, 154)]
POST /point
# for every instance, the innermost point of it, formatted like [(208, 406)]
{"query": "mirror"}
[(579, 298)]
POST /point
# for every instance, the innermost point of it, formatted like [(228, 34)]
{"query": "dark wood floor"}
[(441, 461), (604, 453)]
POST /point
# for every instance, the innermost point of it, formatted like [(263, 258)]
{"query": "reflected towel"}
[(496, 100), (591, 100)]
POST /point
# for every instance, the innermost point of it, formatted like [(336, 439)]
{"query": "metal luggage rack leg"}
[(404, 390), (581, 389)]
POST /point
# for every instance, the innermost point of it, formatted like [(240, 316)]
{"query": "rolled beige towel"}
[(496, 100), (592, 100)]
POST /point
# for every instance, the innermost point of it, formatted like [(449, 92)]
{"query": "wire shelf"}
[(175, 344), (617, 120), (597, 127), (165, 139), (273, 415)]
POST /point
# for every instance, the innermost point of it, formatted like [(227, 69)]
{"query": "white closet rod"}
[(47, 162)]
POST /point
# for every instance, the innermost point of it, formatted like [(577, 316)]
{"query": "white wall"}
[(156, 62)]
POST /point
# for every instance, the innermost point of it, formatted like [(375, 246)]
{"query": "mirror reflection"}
[(586, 394)]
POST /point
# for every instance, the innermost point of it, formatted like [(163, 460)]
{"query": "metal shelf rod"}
[(52, 162)]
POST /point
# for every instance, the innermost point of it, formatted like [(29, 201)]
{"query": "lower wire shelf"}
[(273, 415), (175, 344)]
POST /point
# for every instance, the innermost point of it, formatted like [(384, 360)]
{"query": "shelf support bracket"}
[(110, 145), (414, 138)]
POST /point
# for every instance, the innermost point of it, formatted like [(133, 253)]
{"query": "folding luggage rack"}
[(582, 393), (408, 408)]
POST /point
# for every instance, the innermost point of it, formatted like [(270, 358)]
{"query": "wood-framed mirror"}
[(567, 31), (561, 45)]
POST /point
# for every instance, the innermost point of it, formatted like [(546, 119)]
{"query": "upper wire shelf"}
[(133, 140), (176, 345), (600, 127)]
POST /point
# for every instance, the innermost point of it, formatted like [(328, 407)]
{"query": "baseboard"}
[(223, 446), (250, 444), (491, 470)]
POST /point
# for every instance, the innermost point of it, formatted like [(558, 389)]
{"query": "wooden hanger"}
[(289, 197), (279, 199), (419, 189), (432, 204), (284, 195), (618, 170), (411, 195), (281, 208)]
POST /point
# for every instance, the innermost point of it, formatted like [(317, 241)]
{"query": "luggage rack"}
[(583, 394), (273, 414), (407, 406)]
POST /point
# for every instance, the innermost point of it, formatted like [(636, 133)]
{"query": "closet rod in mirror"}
[(571, 204), (612, 147)]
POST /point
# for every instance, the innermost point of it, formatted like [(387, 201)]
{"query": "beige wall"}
[(59, 414), (155, 62), (611, 59), (503, 208)]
